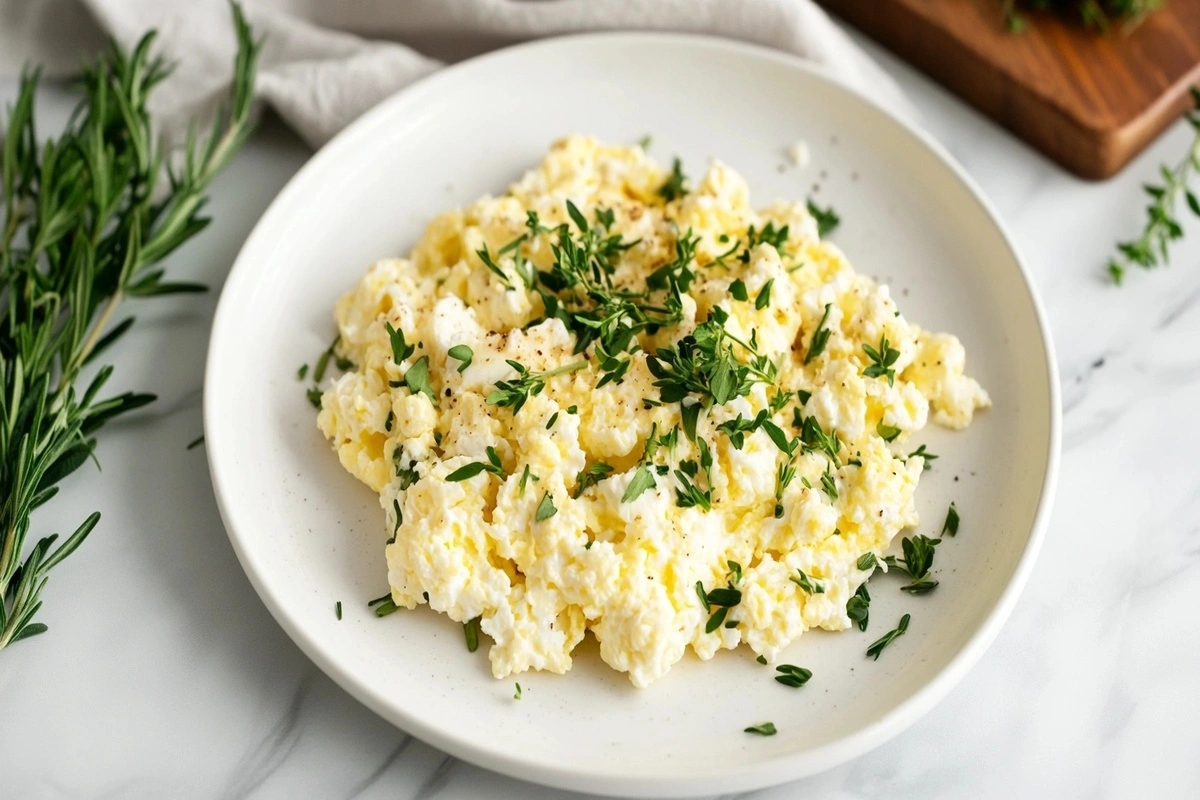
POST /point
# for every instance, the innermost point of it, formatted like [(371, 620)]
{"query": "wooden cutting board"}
[(1090, 101)]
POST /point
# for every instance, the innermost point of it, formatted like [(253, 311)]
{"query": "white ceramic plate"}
[(308, 534)]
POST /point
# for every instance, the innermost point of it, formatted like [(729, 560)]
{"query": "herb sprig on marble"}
[(83, 230), (1163, 226)]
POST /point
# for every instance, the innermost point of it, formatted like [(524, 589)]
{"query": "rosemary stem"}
[(94, 336)]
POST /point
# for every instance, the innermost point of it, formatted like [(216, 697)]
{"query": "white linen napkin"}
[(327, 61)]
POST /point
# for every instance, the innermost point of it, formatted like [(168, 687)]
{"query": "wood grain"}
[(1090, 101)]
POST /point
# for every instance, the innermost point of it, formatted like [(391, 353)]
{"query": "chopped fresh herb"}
[(493, 465), (553, 419), (763, 729), (526, 475), (471, 632), (793, 676), (323, 360), (572, 409), (887, 432), (400, 349), (605, 217), (918, 554), (645, 141), (337, 609), (314, 397), (827, 219), (390, 421), (764, 295), (722, 598), (462, 354), (642, 480), (383, 605), (687, 491), (545, 509), (726, 597), (804, 582), (488, 261), (590, 477), (867, 561), (917, 562), (736, 429), (882, 360), (716, 620), (925, 454), (528, 384), (417, 379), (194, 443), (858, 607), (950, 528), (819, 338), (737, 290), (828, 485), (399, 514), (776, 237), (784, 475), (761, 659), (517, 693), (407, 475), (882, 642), (302, 372), (675, 185)]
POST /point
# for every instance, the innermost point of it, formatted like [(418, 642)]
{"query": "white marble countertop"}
[(164, 676)]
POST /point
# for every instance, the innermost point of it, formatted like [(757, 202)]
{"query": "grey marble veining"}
[(164, 675)]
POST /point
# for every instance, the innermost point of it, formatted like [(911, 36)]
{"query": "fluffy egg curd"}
[(610, 400)]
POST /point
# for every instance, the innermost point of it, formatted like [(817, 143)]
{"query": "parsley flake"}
[(462, 354), (887, 432), (417, 379), (950, 528), (764, 296), (545, 509)]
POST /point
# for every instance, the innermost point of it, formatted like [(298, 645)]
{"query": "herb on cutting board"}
[(1096, 14), (1162, 223), (82, 230)]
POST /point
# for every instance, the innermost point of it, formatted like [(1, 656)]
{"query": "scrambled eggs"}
[(548, 489)]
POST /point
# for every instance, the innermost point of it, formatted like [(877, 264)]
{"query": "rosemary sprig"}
[(82, 230), (1162, 225)]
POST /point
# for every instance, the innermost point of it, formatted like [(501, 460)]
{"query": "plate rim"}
[(777, 769)]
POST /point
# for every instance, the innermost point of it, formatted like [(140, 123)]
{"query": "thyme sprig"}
[(1163, 227), (82, 230)]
